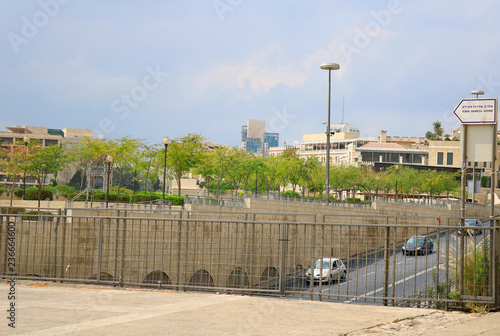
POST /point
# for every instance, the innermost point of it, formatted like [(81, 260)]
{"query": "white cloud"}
[(254, 77)]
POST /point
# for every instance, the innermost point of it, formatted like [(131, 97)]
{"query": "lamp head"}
[(330, 66)]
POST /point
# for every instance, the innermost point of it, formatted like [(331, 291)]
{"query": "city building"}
[(348, 148), (255, 139), (344, 142), (43, 136)]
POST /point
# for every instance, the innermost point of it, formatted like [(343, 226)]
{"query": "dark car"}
[(471, 223), (418, 245)]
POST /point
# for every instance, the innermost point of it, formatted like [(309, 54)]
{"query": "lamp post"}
[(166, 141), (26, 140), (109, 161), (329, 67), (477, 93)]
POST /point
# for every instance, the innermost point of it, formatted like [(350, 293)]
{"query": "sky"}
[(155, 68)]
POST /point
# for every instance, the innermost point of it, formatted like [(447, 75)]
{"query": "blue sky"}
[(167, 68)]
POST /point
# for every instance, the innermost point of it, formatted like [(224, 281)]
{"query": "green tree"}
[(89, 156), (437, 131), (123, 153), (206, 168), (183, 155), (44, 161), (242, 169), (271, 172), (13, 161)]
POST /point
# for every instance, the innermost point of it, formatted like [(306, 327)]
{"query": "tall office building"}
[(255, 139)]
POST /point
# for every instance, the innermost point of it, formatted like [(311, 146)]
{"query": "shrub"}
[(291, 193), (137, 198), (485, 181), (176, 200), (64, 189), (122, 190), (32, 194)]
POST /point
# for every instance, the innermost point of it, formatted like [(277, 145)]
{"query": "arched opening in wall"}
[(269, 274), (201, 279), (157, 277), (104, 277), (238, 279)]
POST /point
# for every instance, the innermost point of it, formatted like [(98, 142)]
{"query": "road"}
[(409, 276)]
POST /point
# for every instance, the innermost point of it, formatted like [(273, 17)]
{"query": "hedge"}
[(32, 194), (127, 198)]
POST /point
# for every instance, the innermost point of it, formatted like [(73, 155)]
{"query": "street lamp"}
[(477, 93), (109, 162), (26, 141), (329, 67), (166, 141)]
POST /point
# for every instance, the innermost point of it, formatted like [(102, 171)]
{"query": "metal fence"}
[(239, 201), (252, 253)]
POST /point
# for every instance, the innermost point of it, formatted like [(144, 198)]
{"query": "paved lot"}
[(56, 309)]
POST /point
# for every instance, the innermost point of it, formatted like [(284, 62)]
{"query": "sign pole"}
[(494, 233), (462, 207)]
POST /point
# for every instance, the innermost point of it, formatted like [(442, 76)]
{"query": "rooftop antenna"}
[(343, 98)]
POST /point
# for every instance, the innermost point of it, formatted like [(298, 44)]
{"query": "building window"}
[(449, 159), (51, 142), (440, 158)]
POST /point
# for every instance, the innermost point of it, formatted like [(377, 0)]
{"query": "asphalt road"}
[(408, 275)]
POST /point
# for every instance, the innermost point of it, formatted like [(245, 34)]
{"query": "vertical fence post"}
[(63, 242), (387, 254), (282, 265), (124, 237), (313, 236), (54, 270), (495, 261), (99, 253), (179, 238)]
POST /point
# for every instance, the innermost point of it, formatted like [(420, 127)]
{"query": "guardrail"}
[(271, 256)]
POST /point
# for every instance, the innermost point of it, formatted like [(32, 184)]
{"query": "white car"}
[(327, 269)]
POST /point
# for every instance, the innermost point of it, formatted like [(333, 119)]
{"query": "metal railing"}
[(79, 194), (257, 253), (239, 200)]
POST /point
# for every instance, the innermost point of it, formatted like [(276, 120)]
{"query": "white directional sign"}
[(477, 111)]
